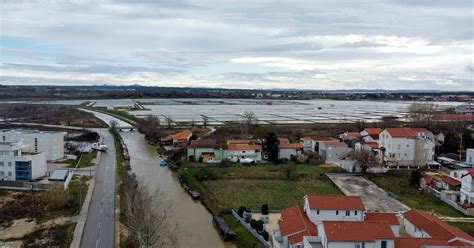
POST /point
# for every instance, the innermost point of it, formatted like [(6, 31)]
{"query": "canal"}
[(195, 228)]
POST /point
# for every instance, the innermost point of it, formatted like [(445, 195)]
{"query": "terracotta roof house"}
[(240, 141), (334, 208), (312, 143), (182, 137), (354, 233), (293, 226), (204, 146), (237, 152), (425, 225), (370, 134), (287, 150), (389, 218)]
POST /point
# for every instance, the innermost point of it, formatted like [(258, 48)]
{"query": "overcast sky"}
[(379, 44)]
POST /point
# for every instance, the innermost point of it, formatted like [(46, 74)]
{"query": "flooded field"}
[(195, 228), (220, 111)]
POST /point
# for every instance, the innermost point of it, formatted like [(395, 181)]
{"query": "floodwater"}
[(195, 228)]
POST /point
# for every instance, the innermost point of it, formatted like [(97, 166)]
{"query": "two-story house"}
[(312, 143), (370, 134), (333, 208), (422, 224), (236, 152), (180, 138), (333, 150), (355, 234), (407, 146), (293, 226)]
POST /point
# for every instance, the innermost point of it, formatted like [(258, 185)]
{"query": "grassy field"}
[(78, 188), (468, 227), (230, 187), (398, 182)]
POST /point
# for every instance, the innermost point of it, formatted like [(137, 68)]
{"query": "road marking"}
[(96, 243), (99, 222)]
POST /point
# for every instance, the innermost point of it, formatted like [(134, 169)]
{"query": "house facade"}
[(289, 150), (333, 208), (51, 143), (17, 163), (236, 152), (331, 150), (370, 134), (182, 137), (407, 146), (467, 186), (208, 147)]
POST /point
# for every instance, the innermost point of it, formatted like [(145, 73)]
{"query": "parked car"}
[(99, 147), (247, 161)]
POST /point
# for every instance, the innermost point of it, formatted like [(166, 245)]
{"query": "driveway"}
[(374, 198)]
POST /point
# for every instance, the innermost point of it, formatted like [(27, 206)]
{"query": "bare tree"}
[(365, 159), (249, 121), (422, 113), (169, 122), (150, 126), (205, 120), (147, 216), (113, 124)]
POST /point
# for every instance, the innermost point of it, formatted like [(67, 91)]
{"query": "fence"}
[(251, 230), (23, 185), (445, 199)]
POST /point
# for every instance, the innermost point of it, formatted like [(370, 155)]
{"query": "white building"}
[(333, 208), (420, 224), (312, 143), (51, 143), (333, 150), (355, 234), (407, 146), (371, 134), (289, 150), (467, 185), (470, 156), (17, 163), (236, 152)]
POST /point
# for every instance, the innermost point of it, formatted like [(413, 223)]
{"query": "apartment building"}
[(17, 163), (51, 143)]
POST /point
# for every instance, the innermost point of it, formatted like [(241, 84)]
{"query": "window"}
[(2, 163), (360, 245), (384, 244), (9, 173), (2, 173), (355, 212), (405, 154), (36, 144), (337, 212), (10, 164), (348, 213), (3, 138), (317, 211), (408, 145), (399, 146)]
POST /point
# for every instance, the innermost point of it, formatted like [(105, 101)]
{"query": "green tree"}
[(415, 178), (271, 147)]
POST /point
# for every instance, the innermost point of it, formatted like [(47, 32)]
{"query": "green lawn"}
[(244, 237), (230, 187), (398, 182), (467, 227), (85, 160)]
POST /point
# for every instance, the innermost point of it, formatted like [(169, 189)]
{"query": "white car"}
[(100, 147), (247, 161)]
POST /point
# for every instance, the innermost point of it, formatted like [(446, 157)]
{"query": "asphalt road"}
[(100, 224)]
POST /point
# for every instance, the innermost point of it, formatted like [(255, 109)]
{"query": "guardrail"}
[(24, 185)]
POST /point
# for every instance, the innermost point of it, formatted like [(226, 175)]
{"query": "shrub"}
[(260, 227), (253, 223), (241, 211), (265, 209), (265, 235)]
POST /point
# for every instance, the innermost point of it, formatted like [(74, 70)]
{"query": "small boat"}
[(174, 167), (163, 162)]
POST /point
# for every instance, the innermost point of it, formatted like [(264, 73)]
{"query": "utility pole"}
[(460, 148)]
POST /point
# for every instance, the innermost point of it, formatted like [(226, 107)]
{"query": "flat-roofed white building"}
[(49, 142), (17, 163)]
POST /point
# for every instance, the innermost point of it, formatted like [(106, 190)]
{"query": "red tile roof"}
[(324, 139), (471, 172), (389, 218), (335, 143), (435, 227), (240, 141), (356, 231), (208, 155), (373, 145), (405, 132), (182, 136), (243, 147), (451, 181), (337, 202), (291, 146), (295, 224), (352, 134), (203, 143), (418, 242), (373, 131)]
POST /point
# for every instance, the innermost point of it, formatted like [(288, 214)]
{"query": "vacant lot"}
[(230, 187), (398, 183)]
